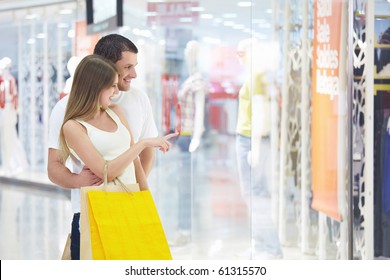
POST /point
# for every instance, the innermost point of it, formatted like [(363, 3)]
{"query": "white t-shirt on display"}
[(138, 111)]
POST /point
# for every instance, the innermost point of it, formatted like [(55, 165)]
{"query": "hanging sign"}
[(325, 91), (173, 13)]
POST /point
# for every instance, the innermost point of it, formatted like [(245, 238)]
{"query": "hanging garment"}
[(386, 175)]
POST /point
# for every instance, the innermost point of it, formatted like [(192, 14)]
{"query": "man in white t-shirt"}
[(136, 105)]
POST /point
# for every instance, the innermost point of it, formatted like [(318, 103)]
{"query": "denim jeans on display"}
[(255, 190), (184, 184)]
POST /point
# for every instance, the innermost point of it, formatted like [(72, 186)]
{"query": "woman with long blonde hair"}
[(95, 131)]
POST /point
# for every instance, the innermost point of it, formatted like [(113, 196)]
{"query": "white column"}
[(60, 72), (45, 91), (21, 93), (305, 132), (284, 129), (33, 74), (322, 236), (274, 126)]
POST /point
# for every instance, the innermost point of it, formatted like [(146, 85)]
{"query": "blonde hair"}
[(93, 74)]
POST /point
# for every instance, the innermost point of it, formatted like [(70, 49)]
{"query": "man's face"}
[(126, 69)]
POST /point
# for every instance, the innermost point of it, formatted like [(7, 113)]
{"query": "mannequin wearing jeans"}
[(191, 97), (253, 154)]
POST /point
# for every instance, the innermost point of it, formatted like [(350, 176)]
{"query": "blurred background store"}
[(328, 191)]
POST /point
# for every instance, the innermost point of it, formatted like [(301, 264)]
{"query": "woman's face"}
[(107, 93)]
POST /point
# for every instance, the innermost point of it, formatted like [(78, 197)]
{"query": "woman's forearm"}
[(118, 165), (140, 175)]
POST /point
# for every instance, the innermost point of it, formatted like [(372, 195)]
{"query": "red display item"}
[(2, 93), (178, 119), (14, 93), (166, 101), (15, 101)]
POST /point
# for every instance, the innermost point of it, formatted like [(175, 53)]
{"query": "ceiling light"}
[(228, 23), (229, 15), (185, 19), (197, 9), (239, 26), (63, 25), (206, 16), (211, 40), (244, 4), (66, 12), (31, 16)]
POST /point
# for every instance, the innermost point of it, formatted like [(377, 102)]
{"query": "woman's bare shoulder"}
[(73, 125)]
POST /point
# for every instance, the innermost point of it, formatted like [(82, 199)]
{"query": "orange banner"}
[(83, 43), (325, 90)]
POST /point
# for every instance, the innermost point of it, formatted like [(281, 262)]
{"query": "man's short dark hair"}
[(112, 46)]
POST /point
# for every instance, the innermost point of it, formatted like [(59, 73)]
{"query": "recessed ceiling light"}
[(239, 26), (197, 9), (206, 16), (185, 19), (66, 12), (229, 15), (228, 23), (31, 16), (244, 4), (63, 25)]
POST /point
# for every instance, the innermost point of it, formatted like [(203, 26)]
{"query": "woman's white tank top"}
[(111, 144)]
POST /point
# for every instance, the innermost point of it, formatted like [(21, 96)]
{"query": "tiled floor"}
[(34, 222), (35, 217)]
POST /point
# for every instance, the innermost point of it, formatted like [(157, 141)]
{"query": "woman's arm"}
[(60, 175), (139, 170), (77, 139)]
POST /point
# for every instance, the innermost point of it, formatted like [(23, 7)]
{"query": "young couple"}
[(88, 127)]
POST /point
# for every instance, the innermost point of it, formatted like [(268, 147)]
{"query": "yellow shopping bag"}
[(85, 231), (126, 226)]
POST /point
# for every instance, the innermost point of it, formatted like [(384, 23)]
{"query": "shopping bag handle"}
[(122, 185), (105, 171), (116, 179)]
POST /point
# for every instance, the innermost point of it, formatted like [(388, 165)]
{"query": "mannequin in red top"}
[(13, 158)]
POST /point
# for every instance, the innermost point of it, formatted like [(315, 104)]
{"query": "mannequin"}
[(253, 152), (191, 95), (12, 152), (259, 99), (71, 66)]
